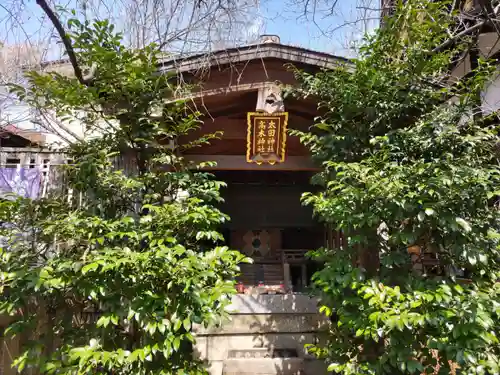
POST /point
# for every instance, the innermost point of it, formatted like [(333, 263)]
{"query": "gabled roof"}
[(17, 137), (260, 51), (269, 48)]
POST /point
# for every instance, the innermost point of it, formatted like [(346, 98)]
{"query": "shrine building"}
[(266, 171)]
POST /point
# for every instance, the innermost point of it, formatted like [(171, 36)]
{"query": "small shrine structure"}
[(266, 171)]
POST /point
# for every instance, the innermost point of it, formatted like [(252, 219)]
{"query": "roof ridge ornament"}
[(269, 38)]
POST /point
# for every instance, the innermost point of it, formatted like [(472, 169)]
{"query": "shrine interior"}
[(271, 225)]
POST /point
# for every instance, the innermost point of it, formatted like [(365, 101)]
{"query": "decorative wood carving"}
[(269, 99), (256, 243), (261, 245)]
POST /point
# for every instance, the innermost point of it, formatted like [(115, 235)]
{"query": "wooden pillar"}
[(304, 274), (286, 274)]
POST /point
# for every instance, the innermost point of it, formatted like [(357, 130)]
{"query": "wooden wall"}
[(229, 93), (268, 70)]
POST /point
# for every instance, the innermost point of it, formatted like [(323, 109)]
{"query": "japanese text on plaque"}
[(267, 136)]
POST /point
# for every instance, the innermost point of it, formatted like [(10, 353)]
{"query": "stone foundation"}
[(265, 336)]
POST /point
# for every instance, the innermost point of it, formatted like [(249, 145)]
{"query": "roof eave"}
[(255, 52)]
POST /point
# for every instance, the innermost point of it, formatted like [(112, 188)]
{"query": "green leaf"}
[(458, 288), (325, 310), (400, 324), (103, 321), (134, 356), (177, 325), (333, 367), (464, 224), (176, 343), (429, 211), (414, 366), (90, 267)]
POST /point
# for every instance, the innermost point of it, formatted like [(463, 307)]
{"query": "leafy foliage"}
[(407, 165), (110, 273)]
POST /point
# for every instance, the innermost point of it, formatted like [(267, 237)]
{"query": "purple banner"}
[(25, 182)]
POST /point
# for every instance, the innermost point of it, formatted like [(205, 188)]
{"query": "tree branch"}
[(65, 39), (469, 30)]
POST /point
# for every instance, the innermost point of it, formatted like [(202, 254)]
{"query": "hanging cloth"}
[(24, 182)]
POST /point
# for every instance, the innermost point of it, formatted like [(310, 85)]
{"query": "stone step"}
[(252, 274), (262, 353), (265, 335), (245, 324), (267, 366), (274, 345)]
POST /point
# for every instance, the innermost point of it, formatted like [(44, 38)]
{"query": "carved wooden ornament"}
[(266, 137)]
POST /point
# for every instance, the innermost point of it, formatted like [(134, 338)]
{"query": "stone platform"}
[(265, 336)]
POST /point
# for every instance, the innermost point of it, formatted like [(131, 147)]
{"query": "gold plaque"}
[(266, 137)]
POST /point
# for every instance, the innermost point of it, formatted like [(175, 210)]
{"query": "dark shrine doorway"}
[(270, 225)]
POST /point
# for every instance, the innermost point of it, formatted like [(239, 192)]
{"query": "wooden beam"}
[(17, 150), (239, 163), (221, 91), (230, 112)]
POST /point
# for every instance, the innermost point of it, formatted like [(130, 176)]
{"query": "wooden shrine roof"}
[(258, 51), (13, 136)]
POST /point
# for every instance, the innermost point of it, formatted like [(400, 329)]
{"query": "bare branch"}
[(65, 39), (465, 32), (469, 31)]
